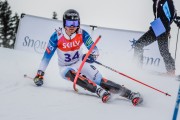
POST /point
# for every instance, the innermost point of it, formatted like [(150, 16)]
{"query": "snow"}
[(20, 99)]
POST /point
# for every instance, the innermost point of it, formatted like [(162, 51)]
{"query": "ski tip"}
[(99, 36), (167, 94), (25, 75)]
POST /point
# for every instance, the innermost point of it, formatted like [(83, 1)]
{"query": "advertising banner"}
[(34, 33)]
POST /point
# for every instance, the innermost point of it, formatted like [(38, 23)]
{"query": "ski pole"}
[(176, 43), (26, 76), (131, 78)]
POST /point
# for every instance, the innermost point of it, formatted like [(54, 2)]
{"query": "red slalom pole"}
[(84, 60), (132, 78)]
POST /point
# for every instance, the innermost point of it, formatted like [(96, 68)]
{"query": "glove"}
[(90, 58), (93, 56), (38, 80), (95, 53)]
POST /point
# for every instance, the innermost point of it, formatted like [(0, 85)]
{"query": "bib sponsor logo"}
[(71, 44)]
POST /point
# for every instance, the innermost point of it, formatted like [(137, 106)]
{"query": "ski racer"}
[(68, 41)]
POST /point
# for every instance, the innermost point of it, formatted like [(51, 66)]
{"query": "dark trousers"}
[(148, 38)]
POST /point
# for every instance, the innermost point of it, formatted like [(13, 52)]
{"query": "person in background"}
[(167, 17), (68, 42)]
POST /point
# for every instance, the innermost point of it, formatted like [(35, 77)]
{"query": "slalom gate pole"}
[(176, 108), (84, 60), (131, 78), (176, 43)]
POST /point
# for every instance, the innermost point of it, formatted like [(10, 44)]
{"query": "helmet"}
[(71, 15)]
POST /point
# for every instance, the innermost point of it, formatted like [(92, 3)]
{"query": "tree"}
[(15, 21), (6, 25), (54, 15)]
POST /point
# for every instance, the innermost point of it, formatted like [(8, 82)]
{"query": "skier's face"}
[(70, 30)]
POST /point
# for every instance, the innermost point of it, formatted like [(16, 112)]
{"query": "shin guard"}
[(82, 81), (115, 88)]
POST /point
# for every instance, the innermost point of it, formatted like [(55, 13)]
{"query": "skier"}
[(149, 37), (68, 42)]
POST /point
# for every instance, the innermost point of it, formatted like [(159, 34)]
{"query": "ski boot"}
[(121, 91), (135, 98), (103, 94)]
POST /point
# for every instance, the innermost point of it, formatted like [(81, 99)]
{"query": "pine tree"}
[(54, 15), (6, 25), (15, 20)]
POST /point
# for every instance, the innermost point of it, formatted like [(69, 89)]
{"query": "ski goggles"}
[(69, 23)]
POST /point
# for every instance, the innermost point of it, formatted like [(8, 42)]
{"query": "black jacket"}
[(160, 12)]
